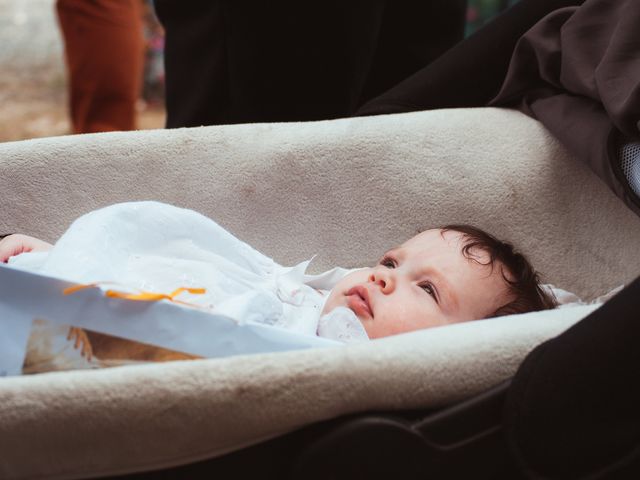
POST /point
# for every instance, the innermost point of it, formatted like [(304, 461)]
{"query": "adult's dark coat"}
[(240, 61)]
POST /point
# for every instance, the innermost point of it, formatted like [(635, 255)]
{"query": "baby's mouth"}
[(358, 301)]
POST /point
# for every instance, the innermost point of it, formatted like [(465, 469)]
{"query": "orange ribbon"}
[(140, 297)]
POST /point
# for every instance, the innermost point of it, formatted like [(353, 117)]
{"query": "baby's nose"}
[(382, 279)]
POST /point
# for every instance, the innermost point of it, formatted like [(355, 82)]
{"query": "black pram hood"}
[(578, 72)]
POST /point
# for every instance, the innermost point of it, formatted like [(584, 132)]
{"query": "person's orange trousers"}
[(104, 49)]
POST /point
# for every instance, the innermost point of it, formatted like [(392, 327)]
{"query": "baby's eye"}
[(427, 287), (388, 262)]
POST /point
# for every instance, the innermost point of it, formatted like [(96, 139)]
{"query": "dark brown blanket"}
[(578, 72)]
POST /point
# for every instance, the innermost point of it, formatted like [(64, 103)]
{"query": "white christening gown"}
[(155, 247)]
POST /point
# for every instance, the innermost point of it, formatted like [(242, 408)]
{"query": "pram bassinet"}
[(344, 189)]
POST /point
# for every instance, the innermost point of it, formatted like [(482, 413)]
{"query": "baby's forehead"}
[(434, 237), (447, 241)]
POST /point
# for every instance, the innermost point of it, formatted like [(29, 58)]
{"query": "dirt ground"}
[(34, 104)]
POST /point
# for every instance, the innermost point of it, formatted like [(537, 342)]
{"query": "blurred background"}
[(33, 85)]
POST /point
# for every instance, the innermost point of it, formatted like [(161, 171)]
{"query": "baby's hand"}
[(17, 244), (80, 340)]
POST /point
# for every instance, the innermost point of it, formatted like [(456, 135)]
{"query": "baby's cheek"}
[(328, 305), (387, 321), (402, 316), (409, 319), (334, 300)]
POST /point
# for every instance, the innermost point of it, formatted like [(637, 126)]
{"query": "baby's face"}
[(425, 282)]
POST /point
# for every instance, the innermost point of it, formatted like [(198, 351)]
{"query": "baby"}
[(441, 276)]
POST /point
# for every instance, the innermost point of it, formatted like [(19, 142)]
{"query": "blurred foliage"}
[(480, 12)]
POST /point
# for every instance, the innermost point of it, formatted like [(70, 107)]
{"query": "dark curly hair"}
[(522, 280)]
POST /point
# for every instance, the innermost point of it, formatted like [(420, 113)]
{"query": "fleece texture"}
[(345, 190)]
